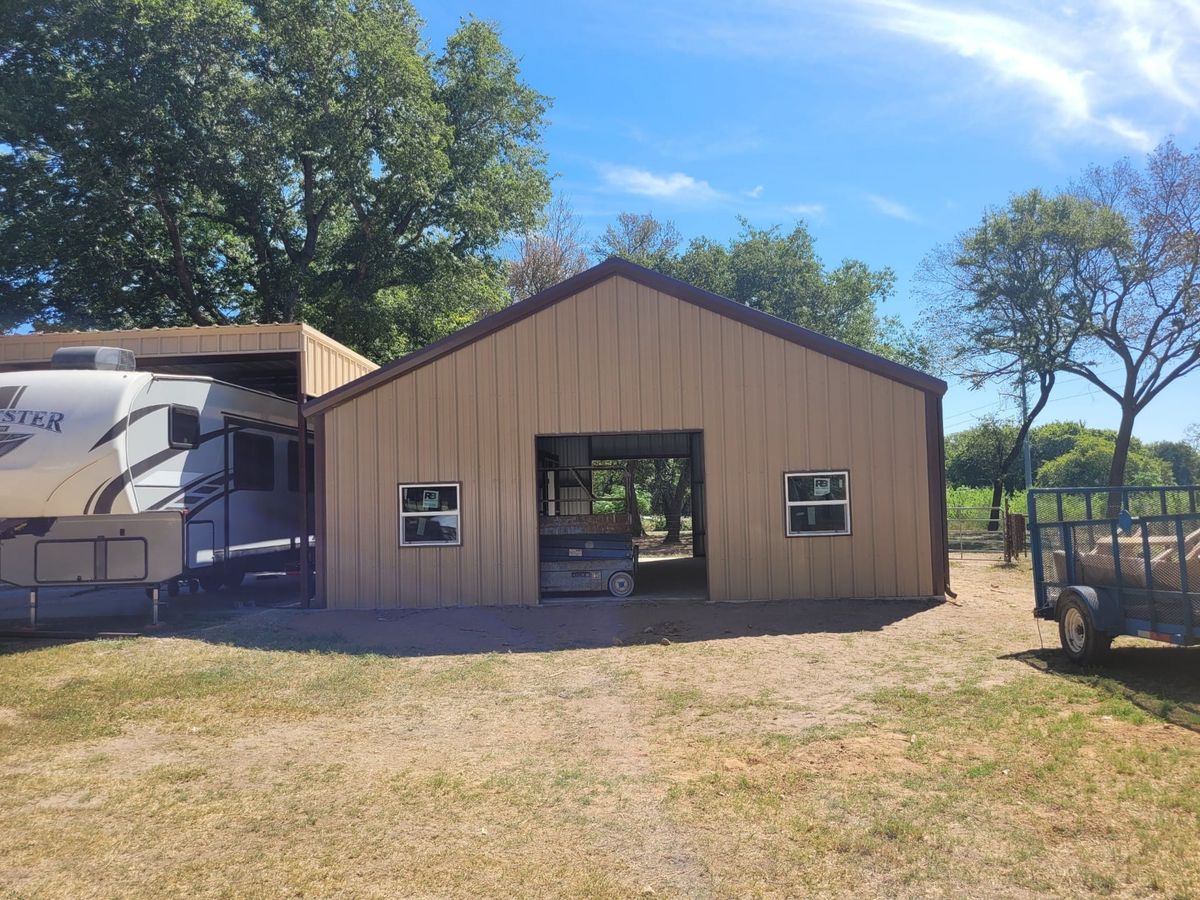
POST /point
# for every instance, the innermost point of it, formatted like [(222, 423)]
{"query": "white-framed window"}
[(430, 515), (817, 502)]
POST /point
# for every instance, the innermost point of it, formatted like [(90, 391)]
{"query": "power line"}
[(965, 414)]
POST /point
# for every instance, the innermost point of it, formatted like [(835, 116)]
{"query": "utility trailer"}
[(1116, 561)]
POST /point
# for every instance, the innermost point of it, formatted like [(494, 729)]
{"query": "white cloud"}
[(1138, 137), (673, 186), (891, 208), (805, 209), (1110, 71), (755, 192), (1009, 48), (1098, 69)]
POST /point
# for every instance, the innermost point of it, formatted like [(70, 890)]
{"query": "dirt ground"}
[(656, 749), (651, 546)]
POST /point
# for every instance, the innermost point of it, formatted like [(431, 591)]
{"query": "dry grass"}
[(929, 756)]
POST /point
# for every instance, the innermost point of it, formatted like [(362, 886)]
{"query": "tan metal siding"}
[(328, 364), (624, 357)]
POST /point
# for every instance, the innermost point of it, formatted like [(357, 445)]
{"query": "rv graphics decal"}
[(10, 442), (47, 420)]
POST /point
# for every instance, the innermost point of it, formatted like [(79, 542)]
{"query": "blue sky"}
[(887, 125)]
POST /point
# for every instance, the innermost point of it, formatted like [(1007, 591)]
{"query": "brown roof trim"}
[(614, 266), (939, 537)]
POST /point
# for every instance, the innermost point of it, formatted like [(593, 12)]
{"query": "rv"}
[(110, 476)]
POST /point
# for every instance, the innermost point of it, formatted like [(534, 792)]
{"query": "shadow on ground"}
[(534, 629), (67, 614), (523, 629), (1162, 681)]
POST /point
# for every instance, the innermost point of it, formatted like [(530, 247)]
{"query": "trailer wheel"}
[(620, 584), (1080, 640), (233, 578)]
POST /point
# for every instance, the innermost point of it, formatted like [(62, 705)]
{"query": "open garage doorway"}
[(622, 515)]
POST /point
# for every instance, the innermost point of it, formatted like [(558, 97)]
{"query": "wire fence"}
[(986, 532), (971, 534)]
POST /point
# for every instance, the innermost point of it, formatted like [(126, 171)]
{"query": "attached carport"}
[(290, 360)]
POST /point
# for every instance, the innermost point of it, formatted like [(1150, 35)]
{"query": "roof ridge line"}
[(615, 266)]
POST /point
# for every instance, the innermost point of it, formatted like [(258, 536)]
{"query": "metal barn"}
[(451, 476)]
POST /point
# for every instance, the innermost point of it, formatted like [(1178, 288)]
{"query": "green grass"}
[(1002, 781), (981, 497), (161, 767)]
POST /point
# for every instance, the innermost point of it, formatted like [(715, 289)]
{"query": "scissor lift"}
[(585, 551)]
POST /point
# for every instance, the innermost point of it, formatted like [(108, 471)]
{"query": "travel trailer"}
[(109, 475)]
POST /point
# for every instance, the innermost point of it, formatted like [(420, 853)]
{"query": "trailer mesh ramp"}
[(1148, 550)]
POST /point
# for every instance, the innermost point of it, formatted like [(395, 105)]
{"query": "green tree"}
[(998, 303), (1139, 299), (1060, 450), (775, 272), (670, 484), (642, 239), (1088, 463), (1052, 440), (1181, 456), (204, 161), (974, 456)]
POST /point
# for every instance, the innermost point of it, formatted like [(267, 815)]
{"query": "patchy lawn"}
[(930, 750)]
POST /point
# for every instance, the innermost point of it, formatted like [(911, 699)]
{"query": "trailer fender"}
[(1104, 615)]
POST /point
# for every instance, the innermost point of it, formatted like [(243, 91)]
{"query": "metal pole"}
[(33, 601), (302, 476), (154, 606), (1027, 450)]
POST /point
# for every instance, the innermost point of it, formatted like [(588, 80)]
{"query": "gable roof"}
[(614, 266)]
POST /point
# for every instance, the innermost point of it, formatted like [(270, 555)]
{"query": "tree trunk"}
[(183, 272), (1045, 386), (673, 506), (631, 501), (1116, 475), (997, 497), (289, 303)]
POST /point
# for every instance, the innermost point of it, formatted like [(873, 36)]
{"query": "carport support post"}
[(302, 476), (33, 599)]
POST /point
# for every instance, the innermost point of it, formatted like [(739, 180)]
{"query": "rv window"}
[(183, 427), (253, 462), (817, 503), (429, 514), (293, 463)]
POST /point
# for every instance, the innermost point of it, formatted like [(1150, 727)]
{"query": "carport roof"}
[(613, 267), (288, 359)]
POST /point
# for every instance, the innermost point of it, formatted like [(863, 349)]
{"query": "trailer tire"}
[(1077, 632), (620, 584), (233, 578)]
